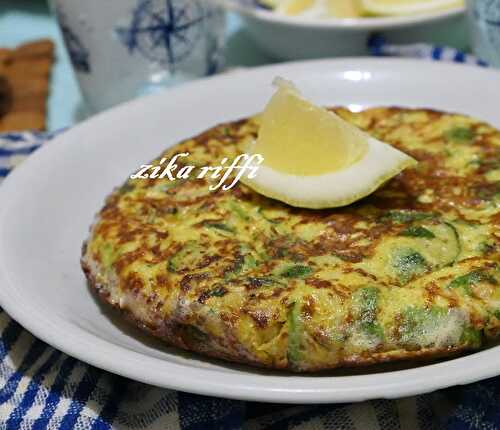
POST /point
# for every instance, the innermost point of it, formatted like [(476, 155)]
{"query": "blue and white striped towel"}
[(42, 388), (378, 47)]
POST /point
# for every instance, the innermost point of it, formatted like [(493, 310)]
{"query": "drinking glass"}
[(484, 21), (121, 49)]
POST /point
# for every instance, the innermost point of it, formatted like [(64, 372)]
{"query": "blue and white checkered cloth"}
[(42, 388)]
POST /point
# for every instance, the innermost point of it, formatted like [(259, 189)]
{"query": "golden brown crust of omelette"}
[(409, 272)]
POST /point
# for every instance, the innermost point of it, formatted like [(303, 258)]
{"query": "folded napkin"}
[(42, 388)]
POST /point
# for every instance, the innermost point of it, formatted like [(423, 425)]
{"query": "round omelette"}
[(411, 271)]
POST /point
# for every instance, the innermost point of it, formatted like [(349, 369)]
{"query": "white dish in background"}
[(295, 38), (50, 200)]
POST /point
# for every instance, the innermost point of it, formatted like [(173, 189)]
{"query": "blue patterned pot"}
[(484, 19), (124, 48)]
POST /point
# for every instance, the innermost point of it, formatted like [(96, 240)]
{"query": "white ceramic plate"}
[(48, 203)]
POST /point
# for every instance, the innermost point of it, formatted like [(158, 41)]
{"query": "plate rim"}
[(392, 385)]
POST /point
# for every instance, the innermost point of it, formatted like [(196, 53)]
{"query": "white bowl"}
[(302, 38)]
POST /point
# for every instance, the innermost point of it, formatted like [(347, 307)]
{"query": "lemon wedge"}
[(407, 7), (313, 158)]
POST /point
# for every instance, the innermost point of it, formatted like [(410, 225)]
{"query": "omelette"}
[(409, 272)]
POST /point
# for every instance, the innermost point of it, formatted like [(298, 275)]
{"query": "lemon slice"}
[(407, 7), (299, 7), (319, 8), (270, 3), (313, 158), (344, 9)]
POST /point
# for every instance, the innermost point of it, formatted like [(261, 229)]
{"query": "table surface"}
[(24, 20)]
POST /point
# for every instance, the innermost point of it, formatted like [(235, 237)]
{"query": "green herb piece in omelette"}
[(107, 255), (186, 257), (470, 279), (297, 271), (219, 226), (459, 135), (472, 337), (418, 232), (295, 328), (419, 326), (239, 211), (408, 263), (243, 262), (366, 307), (219, 291)]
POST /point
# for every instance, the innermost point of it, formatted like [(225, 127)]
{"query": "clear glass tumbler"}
[(484, 21), (121, 49)]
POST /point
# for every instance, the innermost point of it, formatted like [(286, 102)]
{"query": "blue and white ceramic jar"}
[(484, 19), (124, 48)]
